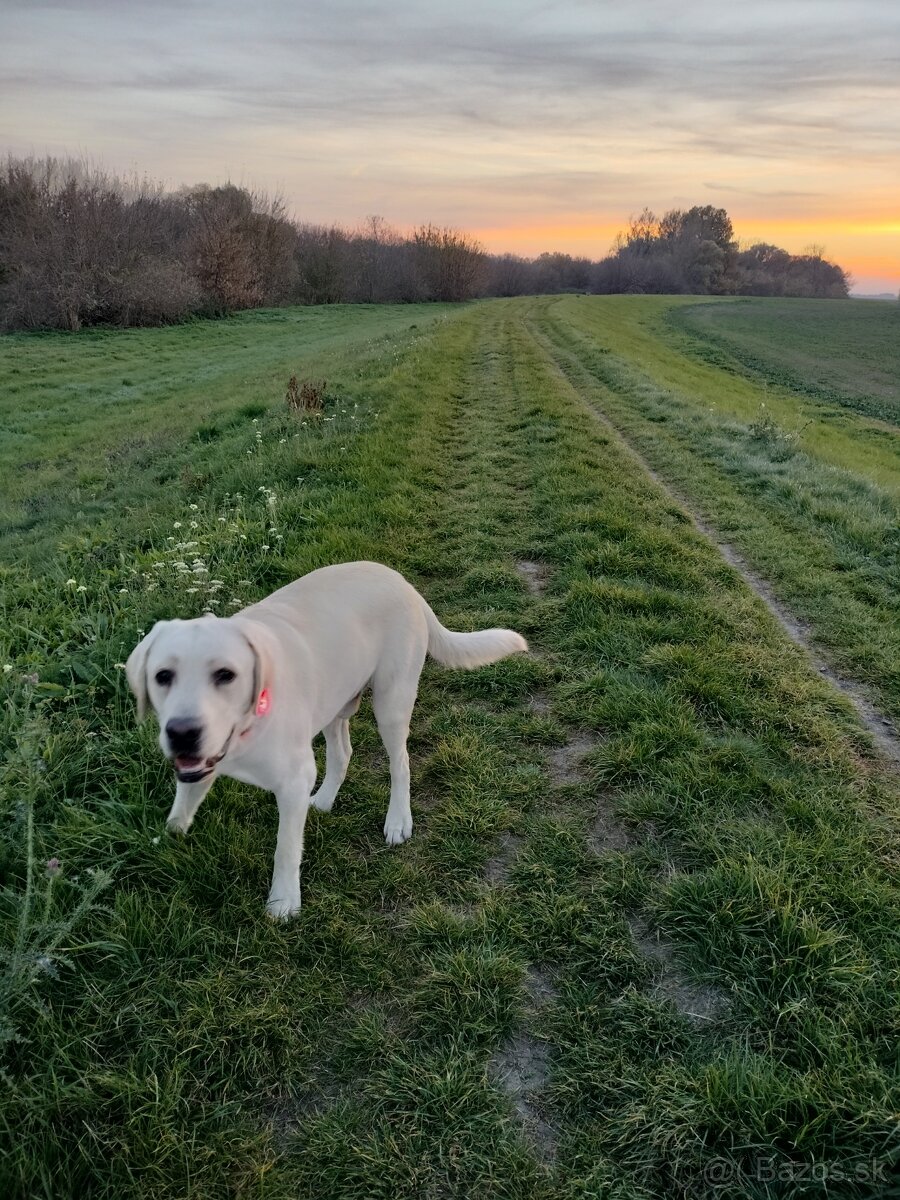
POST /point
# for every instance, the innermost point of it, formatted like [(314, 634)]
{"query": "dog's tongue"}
[(187, 762)]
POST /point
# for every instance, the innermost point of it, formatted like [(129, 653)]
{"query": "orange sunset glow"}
[(533, 127), (870, 251)]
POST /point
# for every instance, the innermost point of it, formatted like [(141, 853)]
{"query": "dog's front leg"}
[(293, 805), (188, 798)]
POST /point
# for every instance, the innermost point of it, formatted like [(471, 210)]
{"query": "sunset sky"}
[(536, 126)]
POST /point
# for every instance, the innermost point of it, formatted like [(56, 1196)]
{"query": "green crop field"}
[(643, 942), (846, 353)]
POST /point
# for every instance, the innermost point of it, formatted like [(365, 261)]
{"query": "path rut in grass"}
[(588, 388), (493, 517), (499, 494)]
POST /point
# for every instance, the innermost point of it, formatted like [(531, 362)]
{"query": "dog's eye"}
[(164, 678), (223, 675)]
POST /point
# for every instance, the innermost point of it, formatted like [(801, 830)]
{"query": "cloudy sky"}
[(535, 125)]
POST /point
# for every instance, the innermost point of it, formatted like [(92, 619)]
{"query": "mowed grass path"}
[(644, 937)]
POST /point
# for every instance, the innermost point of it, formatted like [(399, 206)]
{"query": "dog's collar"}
[(256, 712)]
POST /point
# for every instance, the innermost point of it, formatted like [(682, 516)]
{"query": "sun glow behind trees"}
[(81, 247)]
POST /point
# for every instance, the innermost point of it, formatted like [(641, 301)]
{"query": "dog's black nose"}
[(184, 735)]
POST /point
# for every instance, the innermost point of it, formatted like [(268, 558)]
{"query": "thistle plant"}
[(42, 923)]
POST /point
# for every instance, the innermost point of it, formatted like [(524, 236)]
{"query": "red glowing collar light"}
[(264, 703)]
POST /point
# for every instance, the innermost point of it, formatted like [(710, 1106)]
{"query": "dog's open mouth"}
[(191, 767)]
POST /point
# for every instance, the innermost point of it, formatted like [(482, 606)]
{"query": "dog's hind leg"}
[(337, 759), (393, 710)]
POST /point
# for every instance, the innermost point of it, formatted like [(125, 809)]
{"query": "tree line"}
[(695, 251), (79, 247)]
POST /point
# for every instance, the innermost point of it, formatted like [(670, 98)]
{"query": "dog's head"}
[(204, 680)]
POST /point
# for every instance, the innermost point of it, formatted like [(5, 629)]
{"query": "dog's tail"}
[(470, 649)]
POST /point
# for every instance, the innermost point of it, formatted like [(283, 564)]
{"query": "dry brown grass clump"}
[(308, 396)]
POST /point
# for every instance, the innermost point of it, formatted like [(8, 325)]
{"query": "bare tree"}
[(451, 264), (322, 255), (76, 249), (509, 275)]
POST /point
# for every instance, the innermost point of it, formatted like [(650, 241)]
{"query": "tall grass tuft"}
[(44, 915)]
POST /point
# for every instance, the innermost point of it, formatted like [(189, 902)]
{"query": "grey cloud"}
[(762, 193), (778, 82), (407, 61)]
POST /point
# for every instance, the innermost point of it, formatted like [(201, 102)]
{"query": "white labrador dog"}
[(244, 696)]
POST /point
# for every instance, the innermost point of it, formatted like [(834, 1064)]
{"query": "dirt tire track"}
[(880, 728)]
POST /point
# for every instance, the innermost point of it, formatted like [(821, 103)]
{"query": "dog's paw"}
[(282, 908), (398, 829), (322, 803), (177, 824)]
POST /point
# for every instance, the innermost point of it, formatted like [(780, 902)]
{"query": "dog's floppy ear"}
[(136, 670), (265, 650)]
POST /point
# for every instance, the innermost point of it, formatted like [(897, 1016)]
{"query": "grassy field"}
[(107, 420), (808, 492), (643, 941)]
